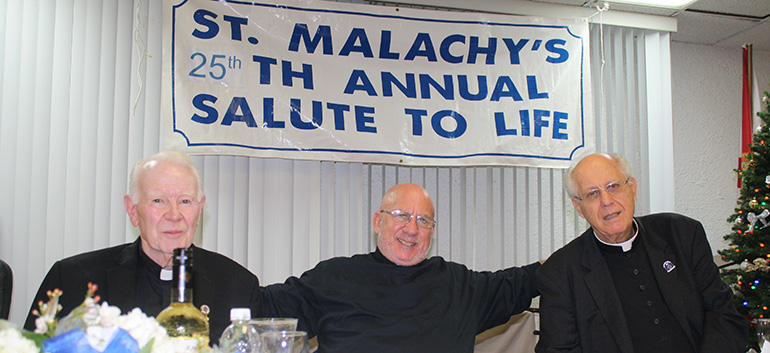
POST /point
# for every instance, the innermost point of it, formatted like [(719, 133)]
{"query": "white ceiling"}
[(721, 23)]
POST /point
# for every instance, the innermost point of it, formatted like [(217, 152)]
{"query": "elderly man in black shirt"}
[(165, 201), (396, 300), (632, 284)]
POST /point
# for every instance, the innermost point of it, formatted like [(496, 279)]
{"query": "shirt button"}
[(664, 339), (641, 287), (656, 321), (636, 272), (649, 303)]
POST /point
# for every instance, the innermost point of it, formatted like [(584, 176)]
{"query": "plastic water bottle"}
[(240, 337)]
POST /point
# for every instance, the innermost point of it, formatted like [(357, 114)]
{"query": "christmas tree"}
[(750, 238)]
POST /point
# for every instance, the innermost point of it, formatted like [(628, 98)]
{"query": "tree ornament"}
[(767, 180), (752, 164), (753, 218), (758, 264), (736, 290), (753, 204), (761, 264), (748, 266)]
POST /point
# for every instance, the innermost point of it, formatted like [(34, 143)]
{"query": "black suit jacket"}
[(580, 310), (220, 283)]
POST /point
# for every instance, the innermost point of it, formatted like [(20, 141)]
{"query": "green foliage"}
[(750, 280), (35, 337), (148, 347)]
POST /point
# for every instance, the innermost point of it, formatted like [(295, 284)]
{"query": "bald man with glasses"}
[(395, 299), (632, 284)]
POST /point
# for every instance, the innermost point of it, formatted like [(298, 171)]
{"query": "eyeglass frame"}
[(395, 212), (602, 189)]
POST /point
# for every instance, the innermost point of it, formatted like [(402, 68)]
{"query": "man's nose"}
[(605, 198), (173, 211), (411, 227)]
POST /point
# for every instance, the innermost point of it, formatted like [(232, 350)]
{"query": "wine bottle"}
[(186, 325)]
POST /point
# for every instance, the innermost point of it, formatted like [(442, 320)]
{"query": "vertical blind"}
[(80, 103)]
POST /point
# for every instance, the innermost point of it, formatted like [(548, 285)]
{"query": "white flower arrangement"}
[(101, 324), (144, 329), (12, 341)]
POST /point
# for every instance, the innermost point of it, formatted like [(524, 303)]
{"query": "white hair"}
[(169, 156), (569, 183)]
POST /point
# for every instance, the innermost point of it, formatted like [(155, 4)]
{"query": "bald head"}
[(401, 191), (399, 237)]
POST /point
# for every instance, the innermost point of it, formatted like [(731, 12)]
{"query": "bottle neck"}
[(181, 285), (181, 295)]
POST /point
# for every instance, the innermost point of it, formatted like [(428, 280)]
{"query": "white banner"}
[(363, 83)]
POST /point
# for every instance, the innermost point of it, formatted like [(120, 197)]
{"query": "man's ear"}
[(633, 186), (131, 210), (576, 204), (376, 219), (200, 209)]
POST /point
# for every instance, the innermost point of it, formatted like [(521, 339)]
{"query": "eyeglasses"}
[(404, 218), (595, 194)]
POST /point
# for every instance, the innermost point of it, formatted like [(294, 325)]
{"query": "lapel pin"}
[(669, 266)]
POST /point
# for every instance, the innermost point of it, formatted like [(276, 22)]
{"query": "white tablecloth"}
[(515, 336)]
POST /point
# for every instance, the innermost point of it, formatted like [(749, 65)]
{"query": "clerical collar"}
[(626, 245), (166, 275), (153, 268)]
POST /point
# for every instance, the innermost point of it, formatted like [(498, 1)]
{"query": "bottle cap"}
[(183, 256), (241, 314)]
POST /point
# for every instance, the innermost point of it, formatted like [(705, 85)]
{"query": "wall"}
[(80, 103), (707, 89)]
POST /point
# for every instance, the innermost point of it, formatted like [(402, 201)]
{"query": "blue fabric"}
[(122, 342), (75, 341)]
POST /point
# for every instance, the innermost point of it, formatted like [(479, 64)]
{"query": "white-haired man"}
[(632, 284), (165, 201)]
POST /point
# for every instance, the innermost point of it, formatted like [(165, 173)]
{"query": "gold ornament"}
[(753, 203)]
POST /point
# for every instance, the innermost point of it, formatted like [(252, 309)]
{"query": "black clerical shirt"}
[(155, 293), (366, 303), (652, 325)]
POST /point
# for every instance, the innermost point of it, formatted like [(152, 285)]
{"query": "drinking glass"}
[(285, 342), (763, 335), (273, 324), (276, 324)]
